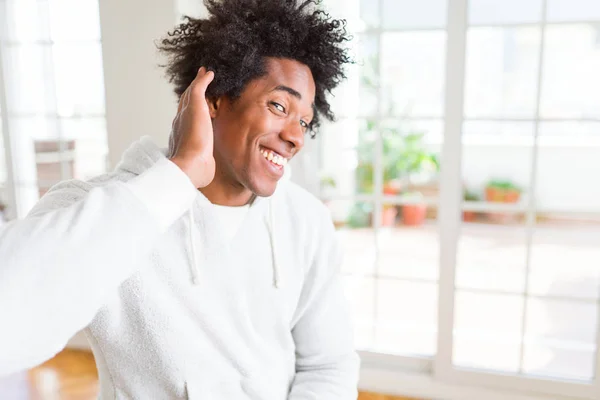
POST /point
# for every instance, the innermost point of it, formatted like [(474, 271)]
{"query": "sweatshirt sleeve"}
[(326, 362), (59, 265)]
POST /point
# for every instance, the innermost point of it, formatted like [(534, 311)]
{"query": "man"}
[(200, 272)]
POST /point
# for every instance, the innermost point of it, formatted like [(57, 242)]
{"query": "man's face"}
[(259, 132)]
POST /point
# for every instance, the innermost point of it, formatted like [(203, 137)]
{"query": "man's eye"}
[(303, 124), (278, 106)]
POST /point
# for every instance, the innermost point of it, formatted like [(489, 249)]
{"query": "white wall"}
[(139, 101)]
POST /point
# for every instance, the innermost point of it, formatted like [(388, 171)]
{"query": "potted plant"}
[(470, 216), (360, 215), (413, 214), (502, 191), (405, 156)]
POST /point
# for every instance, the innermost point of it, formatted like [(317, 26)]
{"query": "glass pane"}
[(360, 294), (3, 167), (369, 76), (69, 16), (560, 339), (24, 21), (497, 154), (413, 65), (406, 317), (568, 157), (495, 151), (407, 14), (496, 170), (353, 221), (369, 13), (573, 10), (410, 249), (347, 158), (498, 138), (3, 180), (79, 79), (41, 158), (411, 153), (492, 253), (565, 256), (492, 12), (501, 72), (89, 144), (29, 88), (577, 135), (570, 82), (487, 331), (358, 94)]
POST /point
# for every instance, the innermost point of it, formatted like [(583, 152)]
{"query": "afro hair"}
[(237, 37)]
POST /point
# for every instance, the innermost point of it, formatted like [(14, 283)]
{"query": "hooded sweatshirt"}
[(174, 305)]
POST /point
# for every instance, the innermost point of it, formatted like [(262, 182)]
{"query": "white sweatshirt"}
[(172, 308)]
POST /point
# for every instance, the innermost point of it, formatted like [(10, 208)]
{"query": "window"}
[(53, 112), (393, 103), (502, 287)]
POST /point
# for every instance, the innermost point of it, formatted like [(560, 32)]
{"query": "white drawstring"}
[(194, 259), (276, 271), (194, 243)]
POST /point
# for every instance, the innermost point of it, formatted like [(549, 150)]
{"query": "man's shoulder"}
[(68, 192), (303, 203)]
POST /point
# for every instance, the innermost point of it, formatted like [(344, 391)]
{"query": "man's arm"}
[(326, 363), (59, 265)]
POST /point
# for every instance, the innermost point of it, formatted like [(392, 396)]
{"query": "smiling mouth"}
[(274, 158)]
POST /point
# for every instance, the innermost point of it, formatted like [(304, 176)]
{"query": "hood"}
[(144, 153)]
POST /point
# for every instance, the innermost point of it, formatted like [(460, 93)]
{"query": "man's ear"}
[(213, 105)]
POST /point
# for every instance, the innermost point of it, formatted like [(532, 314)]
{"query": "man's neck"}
[(226, 194)]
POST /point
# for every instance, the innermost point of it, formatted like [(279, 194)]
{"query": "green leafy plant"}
[(404, 155), (502, 191), (469, 195), (360, 215), (503, 185)]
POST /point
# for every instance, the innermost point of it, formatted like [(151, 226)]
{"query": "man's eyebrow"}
[(289, 90)]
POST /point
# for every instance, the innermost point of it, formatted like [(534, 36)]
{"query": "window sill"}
[(423, 385)]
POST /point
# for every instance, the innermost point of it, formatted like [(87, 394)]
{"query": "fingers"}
[(201, 82)]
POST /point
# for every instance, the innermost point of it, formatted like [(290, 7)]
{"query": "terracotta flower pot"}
[(413, 214), (494, 194), (469, 216), (512, 196), (391, 188), (388, 216)]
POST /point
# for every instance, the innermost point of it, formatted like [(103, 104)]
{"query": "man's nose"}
[(293, 135)]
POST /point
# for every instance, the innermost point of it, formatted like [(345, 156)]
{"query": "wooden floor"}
[(72, 375)]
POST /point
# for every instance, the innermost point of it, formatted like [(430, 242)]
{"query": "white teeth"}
[(274, 157)]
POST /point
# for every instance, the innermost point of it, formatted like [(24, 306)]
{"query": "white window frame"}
[(450, 222), (18, 208), (437, 377)]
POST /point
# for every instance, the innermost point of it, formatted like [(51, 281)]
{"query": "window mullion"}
[(530, 213), (450, 177), (11, 212)]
